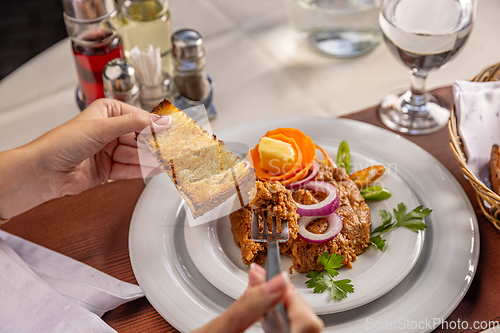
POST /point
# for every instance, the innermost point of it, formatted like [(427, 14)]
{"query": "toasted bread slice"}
[(165, 108), (495, 169), (203, 169), (182, 137), (207, 193)]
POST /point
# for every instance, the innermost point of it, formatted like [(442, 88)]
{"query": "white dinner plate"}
[(429, 293), (374, 273)]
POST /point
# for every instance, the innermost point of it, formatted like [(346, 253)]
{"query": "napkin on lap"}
[(477, 106), (45, 291)]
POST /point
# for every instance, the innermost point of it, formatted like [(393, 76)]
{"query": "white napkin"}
[(45, 291), (477, 106)]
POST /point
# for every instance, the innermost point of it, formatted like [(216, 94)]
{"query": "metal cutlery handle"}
[(273, 259), (275, 320)]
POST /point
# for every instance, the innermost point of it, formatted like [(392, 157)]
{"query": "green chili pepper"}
[(344, 157), (375, 193)]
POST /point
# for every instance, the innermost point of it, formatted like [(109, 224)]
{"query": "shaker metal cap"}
[(88, 9), (187, 44), (118, 76)]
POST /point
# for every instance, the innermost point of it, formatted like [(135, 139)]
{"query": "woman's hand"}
[(96, 146), (260, 297)]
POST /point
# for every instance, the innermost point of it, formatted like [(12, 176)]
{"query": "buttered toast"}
[(202, 168)]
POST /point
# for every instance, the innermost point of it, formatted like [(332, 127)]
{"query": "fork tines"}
[(278, 234)]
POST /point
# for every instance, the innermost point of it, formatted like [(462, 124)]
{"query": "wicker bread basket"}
[(488, 201)]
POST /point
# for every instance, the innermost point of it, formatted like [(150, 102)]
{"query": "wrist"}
[(22, 181)]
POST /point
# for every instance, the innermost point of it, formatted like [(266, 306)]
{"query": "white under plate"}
[(432, 289), (374, 273)]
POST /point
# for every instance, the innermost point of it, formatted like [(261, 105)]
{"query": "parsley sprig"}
[(414, 220), (318, 281)]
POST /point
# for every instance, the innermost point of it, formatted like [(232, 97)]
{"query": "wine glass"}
[(424, 35)]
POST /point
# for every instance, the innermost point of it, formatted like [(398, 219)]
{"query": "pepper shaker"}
[(192, 85), (120, 82)]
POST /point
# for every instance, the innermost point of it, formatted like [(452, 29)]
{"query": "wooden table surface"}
[(93, 228)]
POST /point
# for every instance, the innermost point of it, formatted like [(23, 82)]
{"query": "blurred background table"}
[(259, 73), (258, 70)]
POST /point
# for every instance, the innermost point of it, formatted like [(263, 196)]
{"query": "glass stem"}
[(417, 90)]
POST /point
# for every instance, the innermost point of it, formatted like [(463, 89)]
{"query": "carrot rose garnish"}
[(285, 155)]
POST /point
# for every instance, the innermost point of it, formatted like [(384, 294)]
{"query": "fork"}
[(275, 320)]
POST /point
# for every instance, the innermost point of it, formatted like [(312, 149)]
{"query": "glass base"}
[(341, 43), (398, 115)]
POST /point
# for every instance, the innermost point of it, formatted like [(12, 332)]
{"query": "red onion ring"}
[(323, 208), (302, 182), (335, 225)]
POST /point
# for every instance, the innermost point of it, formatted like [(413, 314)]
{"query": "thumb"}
[(255, 303), (108, 129)]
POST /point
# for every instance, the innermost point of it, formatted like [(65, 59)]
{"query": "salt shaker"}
[(120, 82), (192, 86)]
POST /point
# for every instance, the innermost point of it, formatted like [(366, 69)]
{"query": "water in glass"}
[(425, 35)]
